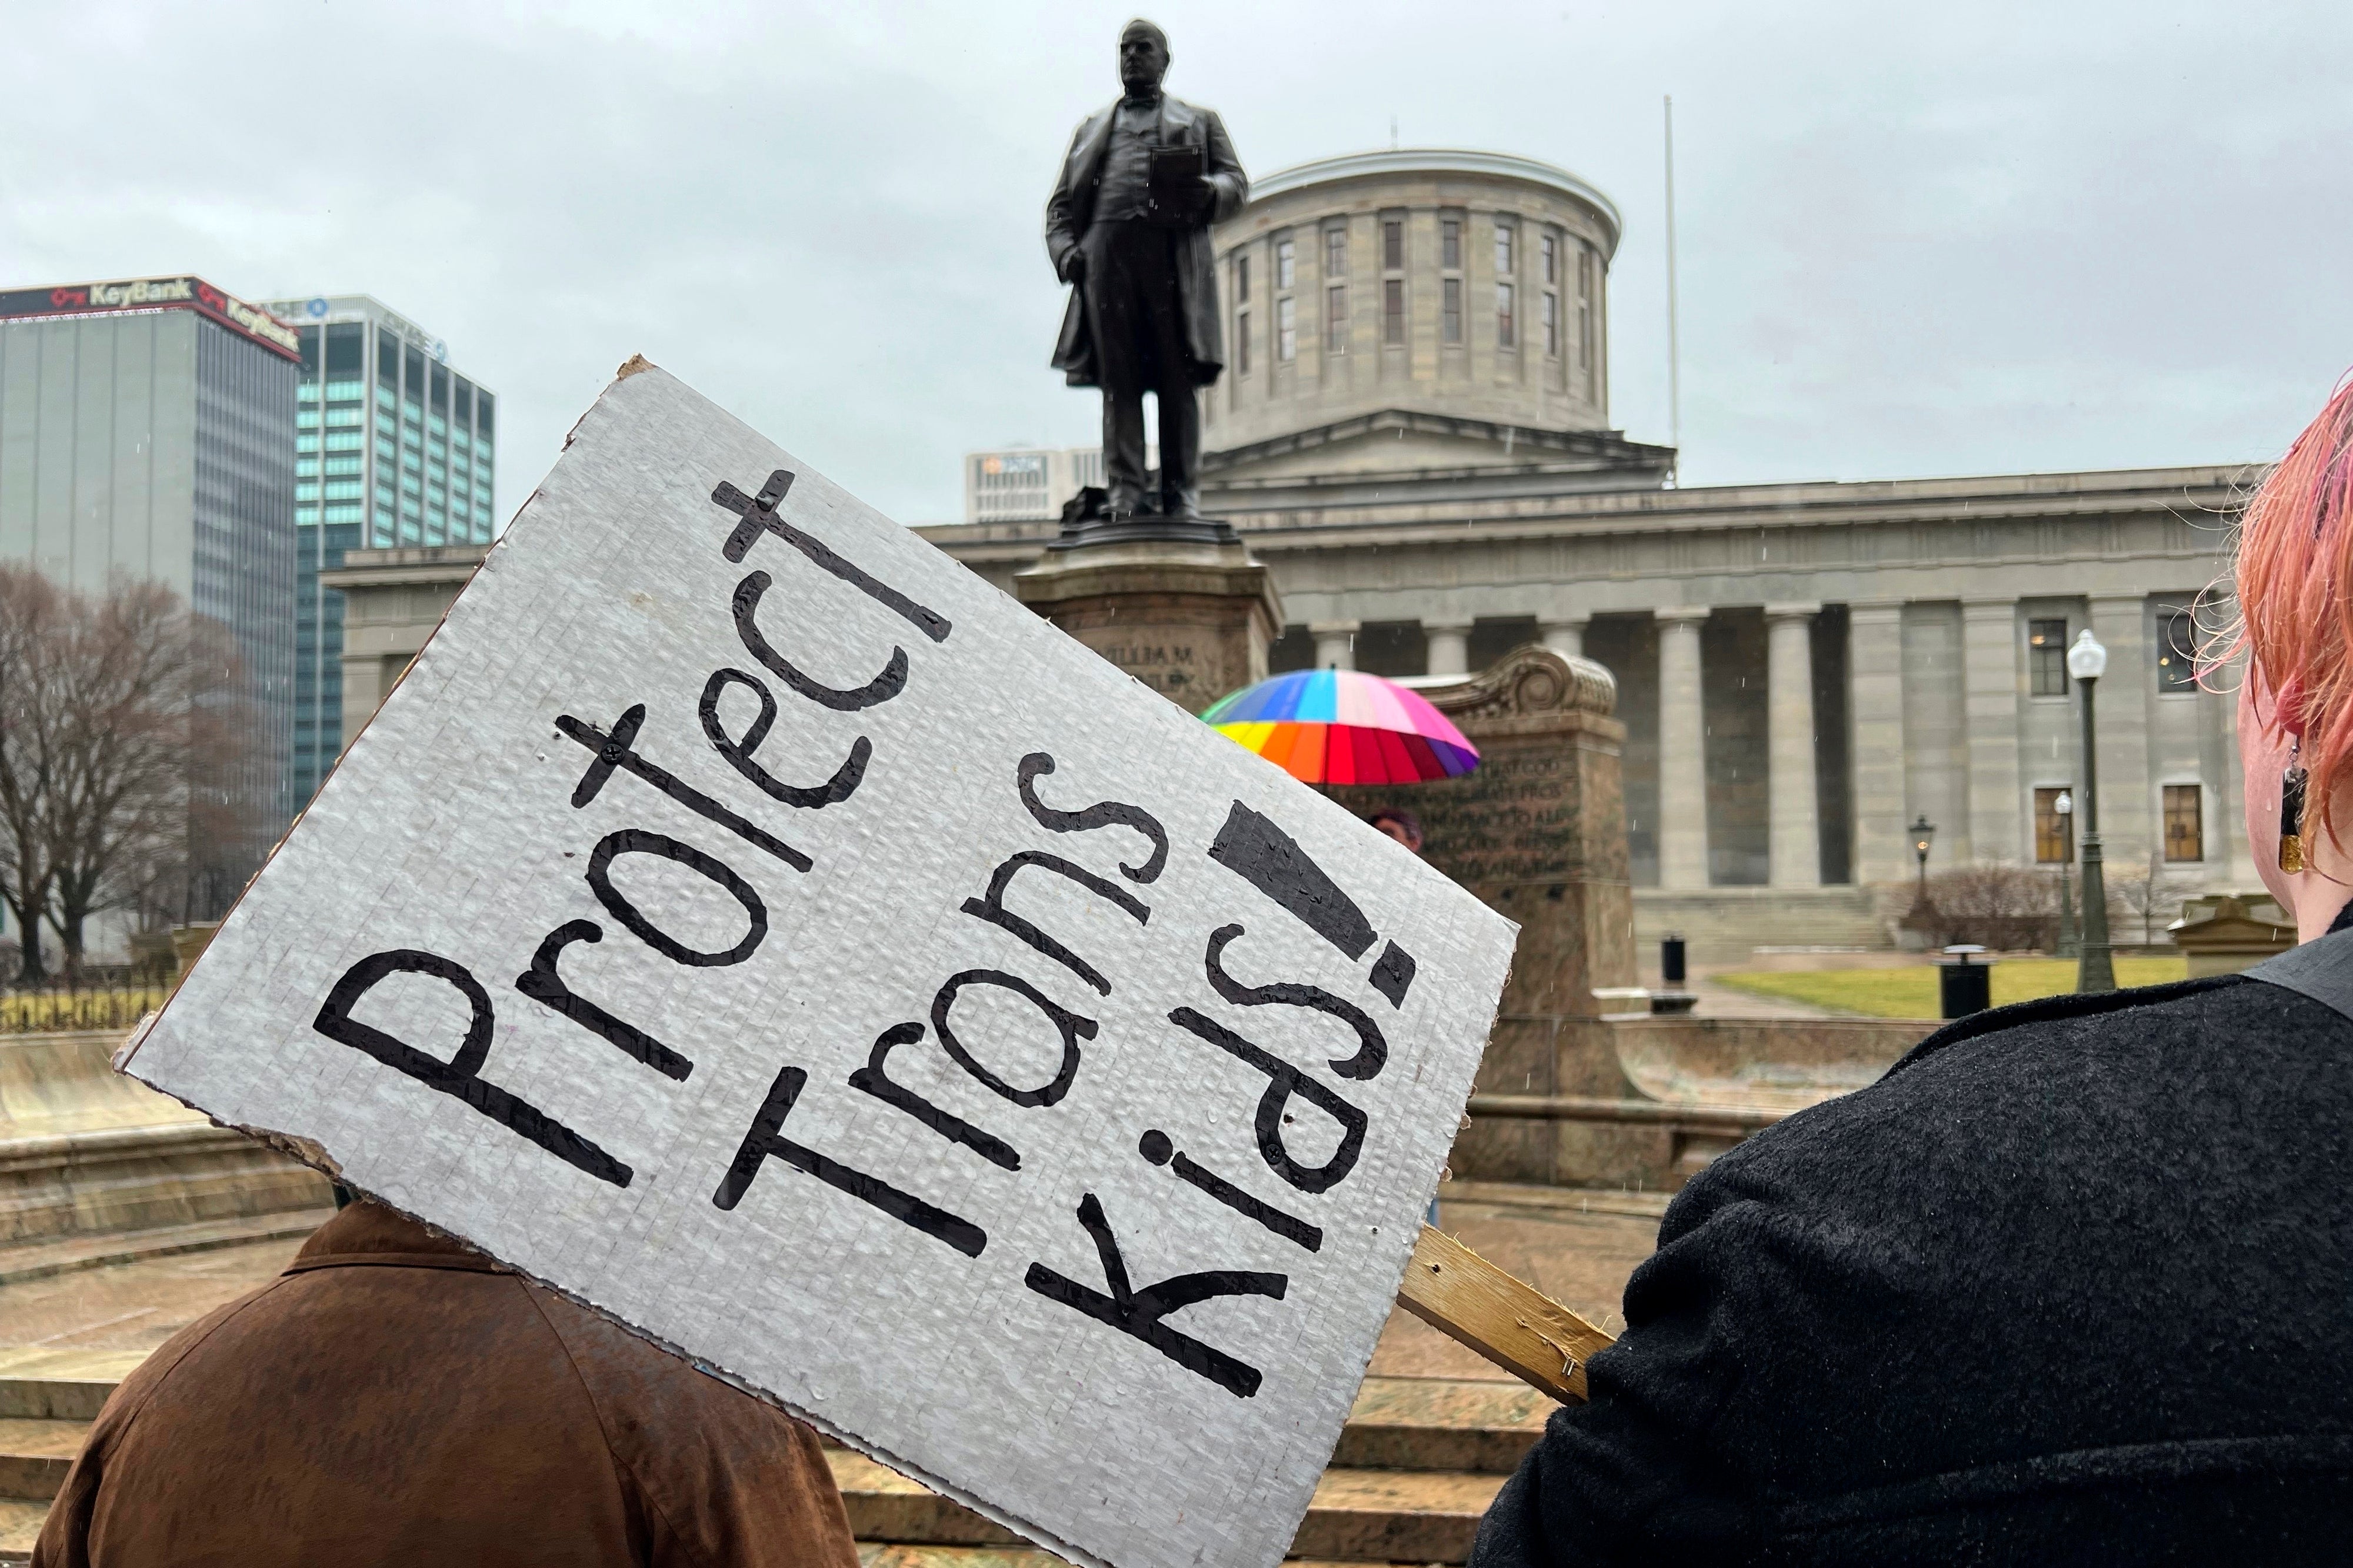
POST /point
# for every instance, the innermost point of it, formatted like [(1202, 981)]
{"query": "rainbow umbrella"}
[(1344, 727)]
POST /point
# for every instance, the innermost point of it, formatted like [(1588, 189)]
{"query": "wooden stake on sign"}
[(1508, 1321)]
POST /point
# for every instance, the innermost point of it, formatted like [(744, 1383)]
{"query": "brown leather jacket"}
[(395, 1398)]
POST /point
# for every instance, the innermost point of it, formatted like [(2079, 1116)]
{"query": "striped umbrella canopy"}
[(1344, 727)]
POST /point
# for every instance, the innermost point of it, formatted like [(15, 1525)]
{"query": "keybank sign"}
[(153, 293)]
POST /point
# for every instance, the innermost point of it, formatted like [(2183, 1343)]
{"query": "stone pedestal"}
[(1539, 831), (1192, 620)]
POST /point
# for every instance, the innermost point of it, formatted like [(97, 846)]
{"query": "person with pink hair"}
[(2073, 1281)]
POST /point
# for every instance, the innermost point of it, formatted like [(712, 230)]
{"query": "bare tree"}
[(127, 735), (2154, 894), (34, 613), (146, 682)]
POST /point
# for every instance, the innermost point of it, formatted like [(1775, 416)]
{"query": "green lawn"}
[(1911, 991)]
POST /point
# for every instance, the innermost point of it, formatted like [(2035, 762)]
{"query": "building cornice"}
[(1609, 445), (2207, 493), (1441, 160)]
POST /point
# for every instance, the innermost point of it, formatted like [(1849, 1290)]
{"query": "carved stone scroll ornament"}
[(1528, 681)]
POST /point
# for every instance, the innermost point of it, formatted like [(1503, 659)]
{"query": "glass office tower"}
[(393, 450), (144, 433)]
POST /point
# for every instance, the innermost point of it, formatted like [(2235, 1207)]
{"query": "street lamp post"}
[(1924, 832), (2087, 661), (2066, 806)]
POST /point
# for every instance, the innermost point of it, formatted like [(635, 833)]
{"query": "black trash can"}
[(1963, 986), (1671, 960)]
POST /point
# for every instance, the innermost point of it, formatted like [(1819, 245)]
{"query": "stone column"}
[(1682, 752), (1992, 663), (1449, 646), (1793, 812), (2128, 828), (1874, 675), (1565, 637), (1335, 644)]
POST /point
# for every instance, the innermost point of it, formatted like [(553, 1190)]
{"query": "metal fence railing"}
[(86, 1004)]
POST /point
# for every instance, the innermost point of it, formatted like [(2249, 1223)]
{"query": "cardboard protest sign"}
[(752, 923)]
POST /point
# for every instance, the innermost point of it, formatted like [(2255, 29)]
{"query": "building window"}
[(1552, 324), (1551, 259), (2176, 656), (1449, 245), (1285, 264), (1393, 311), (1286, 330), (2054, 830), (306, 467), (1503, 237), (1336, 253), (1450, 312), (1335, 319), (1242, 343), (2046, 658), (306, 443), (1393, 244), (1242, 279), (2185, 822), (1506, 333)]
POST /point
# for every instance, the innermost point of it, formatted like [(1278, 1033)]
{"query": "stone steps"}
[(1416, 1464)]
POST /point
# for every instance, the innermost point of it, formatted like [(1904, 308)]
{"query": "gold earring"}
[(2291, 849)]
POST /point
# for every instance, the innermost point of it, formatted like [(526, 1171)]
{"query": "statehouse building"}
[(1413, 433)]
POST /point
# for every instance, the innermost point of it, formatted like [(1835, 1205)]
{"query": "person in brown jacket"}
[(395, 1398)]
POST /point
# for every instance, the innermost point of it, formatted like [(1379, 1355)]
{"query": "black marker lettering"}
[(875, 1079), (881, 688), (615, 751), (1392, 975), (637, 841), (458, 1077), (1285, 1082), (1156, 1147), (1138, 1312), (766, 1138), (1107, 813), (739, 752), (759, 514), (1069, 1025), (991, 908), (1372, 1049), (1271, 860), (542, 984)]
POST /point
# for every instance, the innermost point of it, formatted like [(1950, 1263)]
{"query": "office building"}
[(393, 449), (1026, 484), (147, 428)]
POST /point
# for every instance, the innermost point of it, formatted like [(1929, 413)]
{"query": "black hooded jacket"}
[(2073, 1283)]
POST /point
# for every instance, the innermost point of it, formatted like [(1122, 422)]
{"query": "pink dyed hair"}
[(2295, 587)]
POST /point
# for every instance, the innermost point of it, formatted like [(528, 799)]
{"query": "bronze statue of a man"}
[(1128, 226)]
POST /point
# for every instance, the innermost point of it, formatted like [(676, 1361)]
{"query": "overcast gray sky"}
[(1914, 239)]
